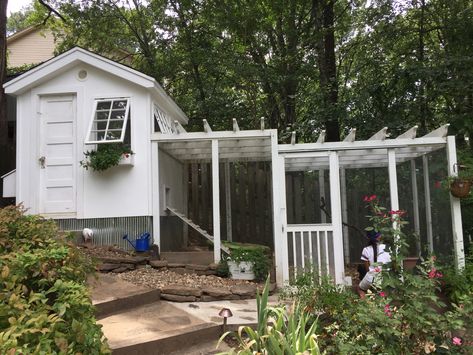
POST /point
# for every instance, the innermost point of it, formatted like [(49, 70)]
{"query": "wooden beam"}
[(321, 137), (216, 200), (155, 194), (439, 132), (409, 134), (178, 127), (336, 210), (351, 135), (380, 135), (293, 138), (235, 126), (207, 128), (428, 211), (457, 230), (415, 204)]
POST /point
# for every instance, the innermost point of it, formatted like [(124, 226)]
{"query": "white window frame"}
[(164, 121), (125, 121)]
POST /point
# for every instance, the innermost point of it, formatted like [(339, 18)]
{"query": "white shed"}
[(58, 106)]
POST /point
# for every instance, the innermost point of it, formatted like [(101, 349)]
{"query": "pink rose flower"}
[(387, 310), (457, 341), (382, 294), (377, 269), (432, 273)]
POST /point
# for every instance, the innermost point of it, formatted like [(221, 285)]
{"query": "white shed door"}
[(57, 154)]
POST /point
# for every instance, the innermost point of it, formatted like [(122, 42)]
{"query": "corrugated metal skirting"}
[(110, 231)]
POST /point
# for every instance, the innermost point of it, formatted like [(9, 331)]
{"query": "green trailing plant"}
[(44, 302), (279, 331), (257, 255), (105, 156)]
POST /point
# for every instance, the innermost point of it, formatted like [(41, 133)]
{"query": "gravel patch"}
[(159, 278)]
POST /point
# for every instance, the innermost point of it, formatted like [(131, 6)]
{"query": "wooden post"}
[(323, 217), (428, 210), (216, 200), (415, 203), (228, 202), (279, 213), (393, 192), (336, 218), (155, 192), (346, 240), (455, 207)]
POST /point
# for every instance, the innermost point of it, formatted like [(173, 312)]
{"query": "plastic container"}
[(241, 271), (142, 243)]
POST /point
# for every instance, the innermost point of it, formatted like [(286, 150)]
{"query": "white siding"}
[(119, 192)]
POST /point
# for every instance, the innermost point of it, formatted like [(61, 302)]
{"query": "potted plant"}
[(248, 261), (107, 156), (460, 186)]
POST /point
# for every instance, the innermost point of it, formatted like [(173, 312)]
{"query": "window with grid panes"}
[(109, 120)]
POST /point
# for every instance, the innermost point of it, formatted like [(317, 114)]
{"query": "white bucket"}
[(242, 270)]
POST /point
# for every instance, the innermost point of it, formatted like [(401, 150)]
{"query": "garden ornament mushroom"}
[(225, 313)]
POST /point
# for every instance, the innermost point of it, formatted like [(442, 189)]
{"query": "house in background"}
[(32, 45), (36, 44), (79, 100)]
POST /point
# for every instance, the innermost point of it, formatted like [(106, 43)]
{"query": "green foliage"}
[(222, 269), (258, 255), (279, 331), (44, 303), (458, 284), (402, 314), (105, 157)]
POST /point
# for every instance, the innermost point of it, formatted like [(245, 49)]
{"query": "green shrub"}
[(279, 331), (44, 303), (459, 283), (222, 269)]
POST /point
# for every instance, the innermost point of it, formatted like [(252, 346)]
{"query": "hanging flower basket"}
[(460, 187)]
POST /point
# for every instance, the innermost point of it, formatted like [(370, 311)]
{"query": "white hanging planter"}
[(242, 270), (127, 159)]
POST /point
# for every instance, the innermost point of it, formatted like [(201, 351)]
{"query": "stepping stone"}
[(158, 263), (216, 292), (244, 290)]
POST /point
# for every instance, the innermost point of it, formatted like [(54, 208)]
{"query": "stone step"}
[(156, 328), (189, 257), (111, 295)]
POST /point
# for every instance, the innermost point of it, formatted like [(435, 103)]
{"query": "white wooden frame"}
[(92, 120), (262, 145)]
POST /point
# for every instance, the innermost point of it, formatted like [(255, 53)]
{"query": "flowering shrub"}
[(402, 315)]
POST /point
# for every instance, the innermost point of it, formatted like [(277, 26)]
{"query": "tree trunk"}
[(3, 69), (323, 19)]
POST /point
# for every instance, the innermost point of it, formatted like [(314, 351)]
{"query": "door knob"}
[(42, 161)]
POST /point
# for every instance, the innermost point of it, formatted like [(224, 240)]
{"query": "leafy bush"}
[(44, 303), (222, 269), (105, 157), (279, 331), (459, 283)]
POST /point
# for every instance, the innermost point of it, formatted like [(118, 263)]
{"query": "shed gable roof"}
[(69, 59)]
